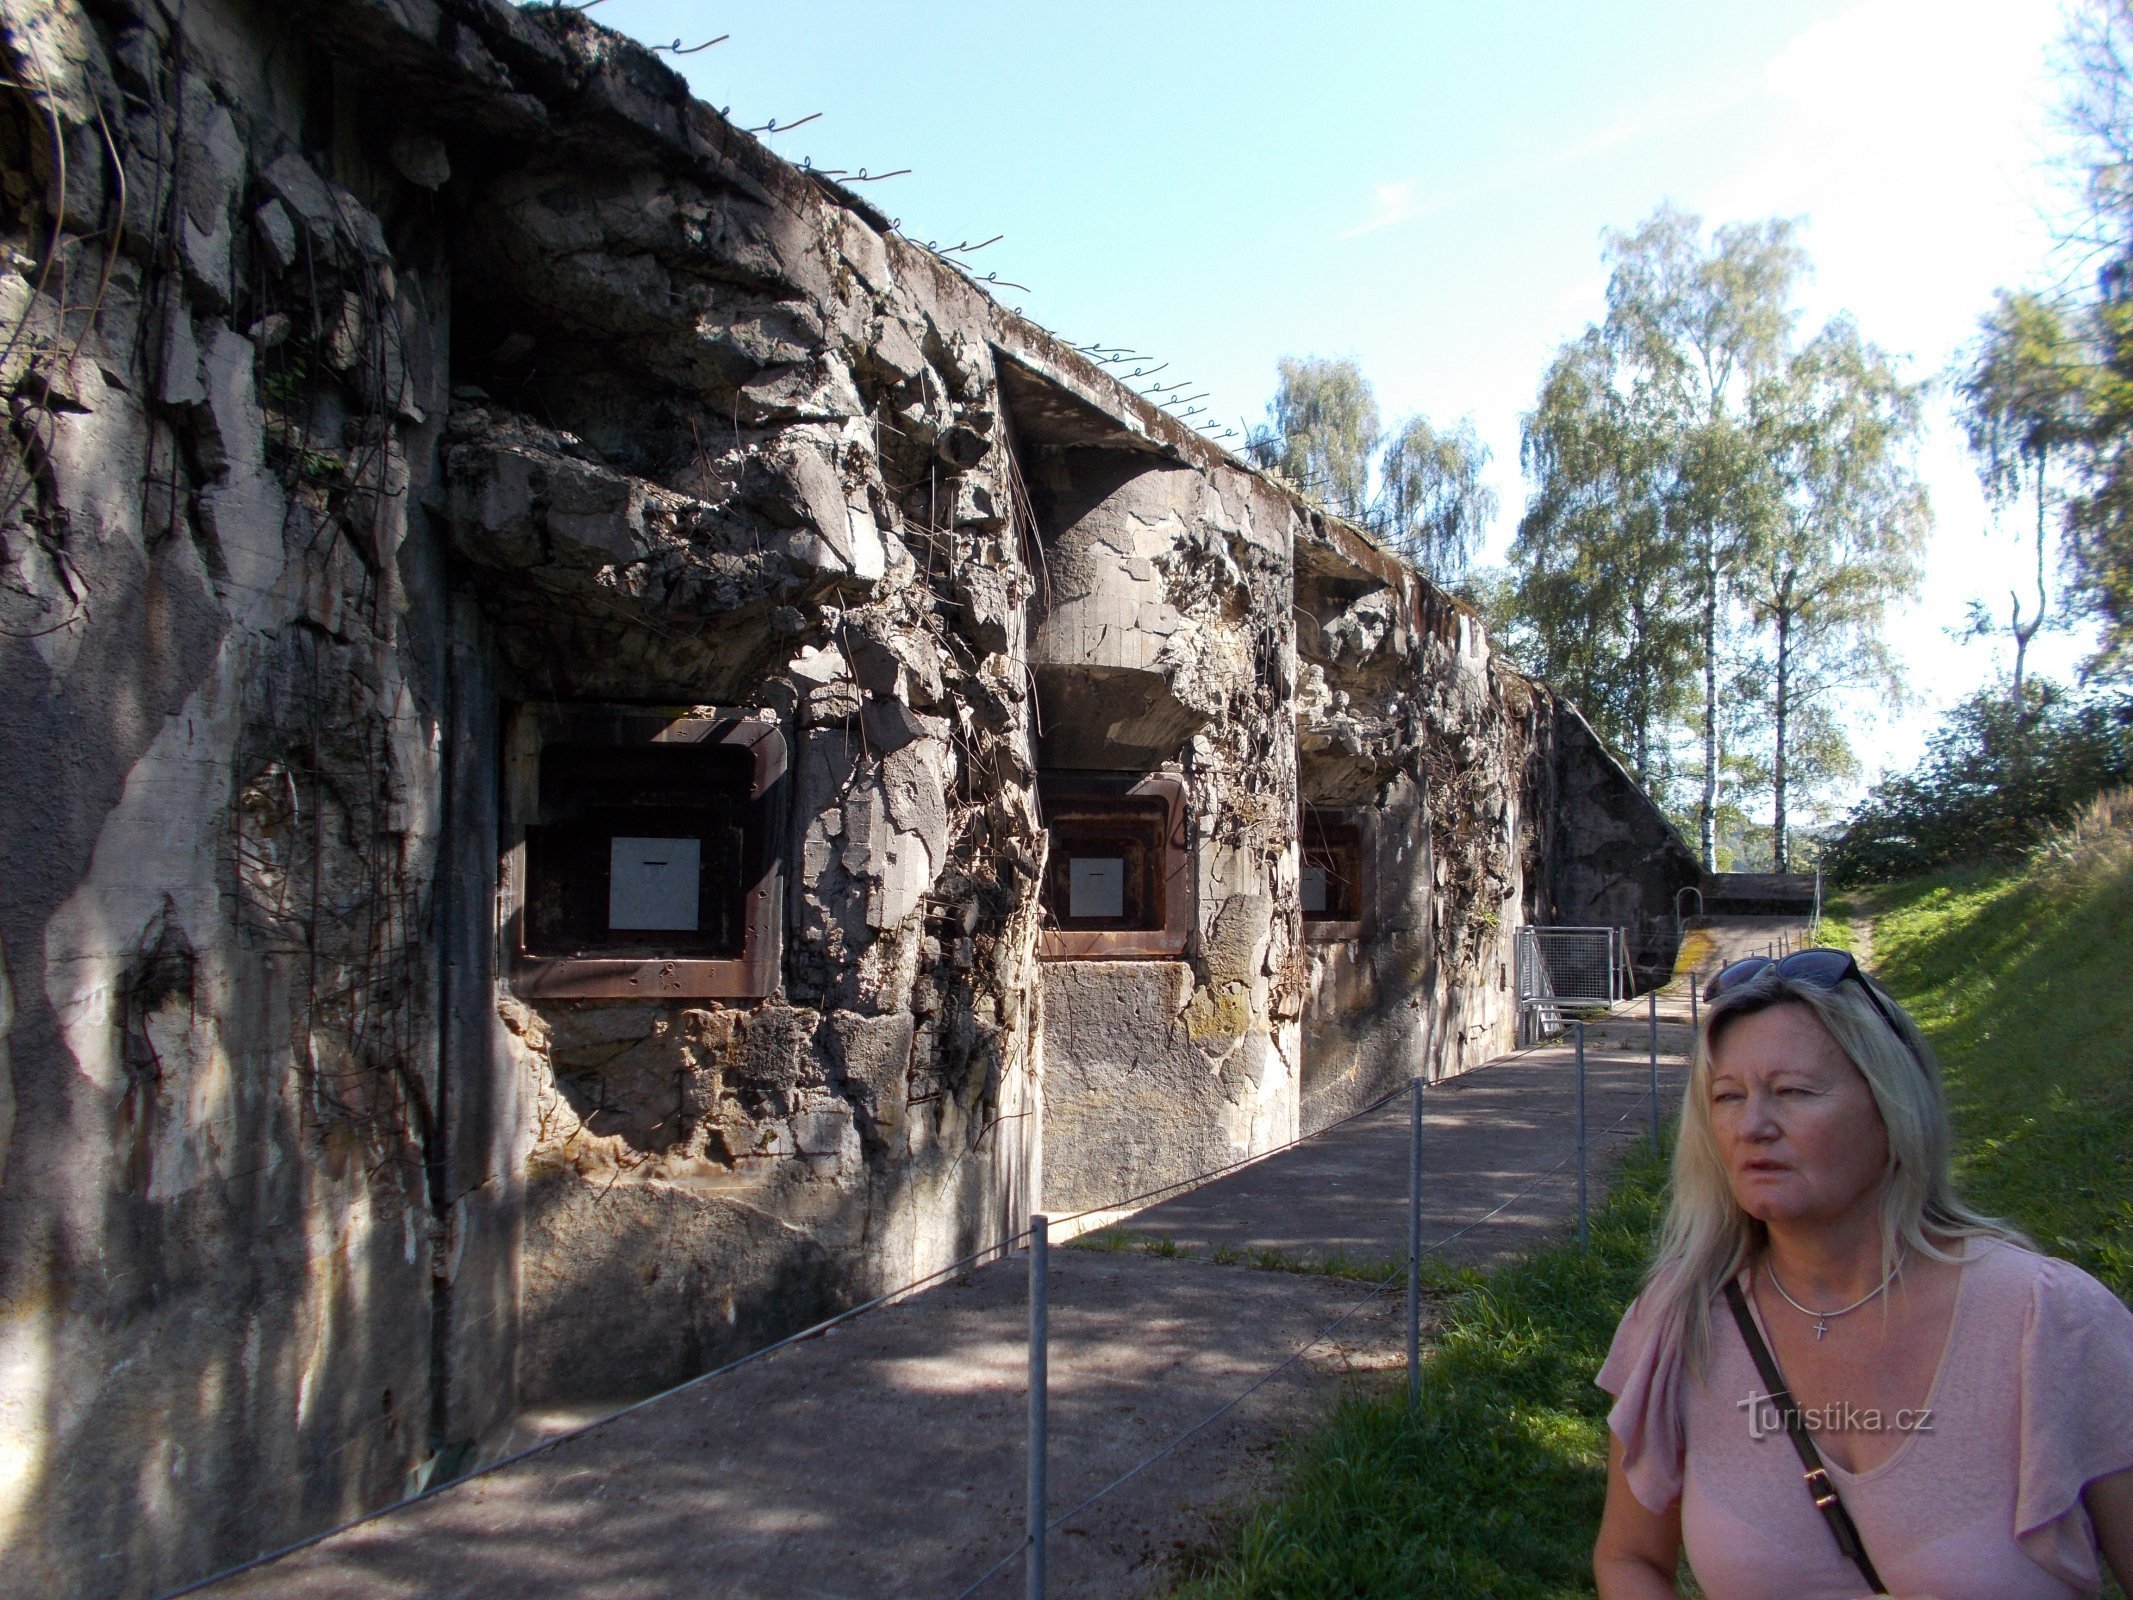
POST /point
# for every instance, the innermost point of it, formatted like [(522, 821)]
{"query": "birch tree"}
[(1838, 524), (2023, 398), (1694, 329), (1600, 589), (1418, 490)]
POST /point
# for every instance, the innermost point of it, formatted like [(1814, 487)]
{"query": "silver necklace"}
[(1822, 1317)]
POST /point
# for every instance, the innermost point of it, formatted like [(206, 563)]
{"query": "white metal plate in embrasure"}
[(652, 883), (1096, 886)]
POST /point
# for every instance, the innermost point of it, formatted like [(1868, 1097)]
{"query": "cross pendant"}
[(1821, 1327)]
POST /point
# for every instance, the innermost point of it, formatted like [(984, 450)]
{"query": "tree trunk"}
[(1779, 844), (2024, 633), (1641, 717), (2022, 636), (1709, 812)]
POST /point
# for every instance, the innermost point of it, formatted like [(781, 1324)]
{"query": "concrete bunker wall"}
[(1162, 648), (1412, 735), (422, 372), (441, 383), (756, 409), (1611, 858)]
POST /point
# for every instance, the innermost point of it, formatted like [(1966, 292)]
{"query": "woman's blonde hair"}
[(1707, 1238)]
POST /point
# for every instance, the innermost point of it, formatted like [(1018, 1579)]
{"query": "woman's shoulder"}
[(1635, 1343), (1643, 1371), (1651, 1327), (2017, 1280), (2058, 1345)]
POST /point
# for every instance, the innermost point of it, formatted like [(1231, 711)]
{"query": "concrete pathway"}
[(885, 1458), (1498, 1142)]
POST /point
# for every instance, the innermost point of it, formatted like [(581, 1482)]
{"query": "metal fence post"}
[(1414, 1247), (1695, 1002), (1582, 1229), (1039, 1380), (1654, 1001)]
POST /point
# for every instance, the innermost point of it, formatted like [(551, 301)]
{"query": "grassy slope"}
[(2020, 976), (2021, 980)]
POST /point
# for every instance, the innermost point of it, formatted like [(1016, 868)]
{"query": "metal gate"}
[(1564, 969)]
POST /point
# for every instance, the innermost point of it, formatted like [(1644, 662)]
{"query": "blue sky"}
[(1423, 187)]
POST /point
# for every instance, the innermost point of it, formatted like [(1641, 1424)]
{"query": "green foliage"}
[(1994, 779), (2022, 397), (1602, 597), (1837, 538), (1323, 429), (1706, 496), (2048, 395), (1429, 503), (2023, 392), (1432, 506)]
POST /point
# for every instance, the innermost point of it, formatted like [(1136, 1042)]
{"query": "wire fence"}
[(1041, 1522), (1031, 1548)]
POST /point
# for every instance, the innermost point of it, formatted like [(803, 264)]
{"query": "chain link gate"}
[(1564, 969)]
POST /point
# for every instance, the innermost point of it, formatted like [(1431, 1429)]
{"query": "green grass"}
[(1839, 930), (2019, 976), (1494, 1486)]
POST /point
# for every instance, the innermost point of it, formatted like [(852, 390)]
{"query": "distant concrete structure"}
[(606, 756)]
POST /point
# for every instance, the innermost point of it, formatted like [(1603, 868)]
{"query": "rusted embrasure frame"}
[(1058, 793), (1364, 821), (751, 976)]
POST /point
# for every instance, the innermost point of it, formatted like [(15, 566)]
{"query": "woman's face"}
[(1796, 1125)]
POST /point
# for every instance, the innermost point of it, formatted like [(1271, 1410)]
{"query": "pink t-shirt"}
[(2033, 1400)]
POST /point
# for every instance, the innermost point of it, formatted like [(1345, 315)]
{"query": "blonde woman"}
[(1840, 1380)]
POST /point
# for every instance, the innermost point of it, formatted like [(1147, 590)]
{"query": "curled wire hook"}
[(676, 48), (775, 126)]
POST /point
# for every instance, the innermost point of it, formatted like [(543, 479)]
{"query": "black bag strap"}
[(1817, 1476)]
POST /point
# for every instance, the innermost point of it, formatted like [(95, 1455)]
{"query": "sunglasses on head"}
[(1818, 969)]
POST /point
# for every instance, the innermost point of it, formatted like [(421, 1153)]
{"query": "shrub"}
[(1996, 778)]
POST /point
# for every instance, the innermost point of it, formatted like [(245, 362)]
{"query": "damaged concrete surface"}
[(397, 392)]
